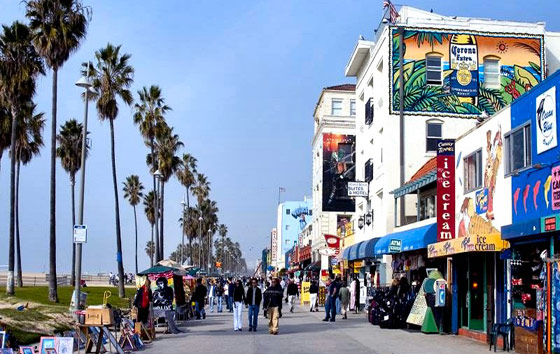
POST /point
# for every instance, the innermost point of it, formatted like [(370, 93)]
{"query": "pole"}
[(401, 121), (183, 233), (209, 250), (199, 242), (78, 246), (156, 216)]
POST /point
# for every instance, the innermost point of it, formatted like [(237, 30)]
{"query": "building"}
[(456, 71), (333, 149), (292, 218)]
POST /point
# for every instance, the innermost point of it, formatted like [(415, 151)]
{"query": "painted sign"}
[(463, 73), (333, 242), (418, 310), (305, 291), (395, 246), (445, 198), (546, 120), (555, 184), (481, 201), (477, 243), (338, 170), (274, 244), (358, 189), (163, 288)]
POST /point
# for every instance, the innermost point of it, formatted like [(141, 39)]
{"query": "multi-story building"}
[(333, 148), (427, 77), (292, 218)]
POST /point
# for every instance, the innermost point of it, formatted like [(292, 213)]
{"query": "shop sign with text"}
[(395, 246), (475, 243), (445, 190)]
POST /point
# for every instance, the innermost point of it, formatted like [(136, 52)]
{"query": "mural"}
[(338, 170), (463, 91), (295, 217)]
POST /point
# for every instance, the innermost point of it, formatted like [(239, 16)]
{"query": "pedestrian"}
[(327, 301), (292, 293), (253, 301), (338, 283), (333, 295), (111, 276), (220, 295), (211, 294), (142, 302), (273, 305), (238, 300), (357, 294), (344, 300), (313, 291), (198, 297), (231, 286), (266, 286)]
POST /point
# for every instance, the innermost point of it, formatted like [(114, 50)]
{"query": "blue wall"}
[(295, 216)]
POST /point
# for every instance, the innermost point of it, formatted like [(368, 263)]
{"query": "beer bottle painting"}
[(463, 60)]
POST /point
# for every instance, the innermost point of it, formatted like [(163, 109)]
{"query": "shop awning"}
[(353, 254), (346, 252), (409, 240), (474, 243), (367, 248)]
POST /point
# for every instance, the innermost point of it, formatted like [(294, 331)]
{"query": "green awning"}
[(415, 185)]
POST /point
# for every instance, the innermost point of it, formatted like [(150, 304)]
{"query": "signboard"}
[(274, 244), (550, 223), (80, 234), (358, 189), (305, 292), (395, 246), (445, 204), (555, 186), (418, 310), (481, 201), (546, 120), (338, 170), (474, 243), (333, 242)]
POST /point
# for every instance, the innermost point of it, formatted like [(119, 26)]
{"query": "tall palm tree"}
[(69, 151), (29, 141), (150, 250), (149, 115), (149, 210), (201, 189), (208, 209), (20, 65), (222, 230), (186, 174), (58, 27), (5, 129), (166, 145), (112, 76), (133, 193)]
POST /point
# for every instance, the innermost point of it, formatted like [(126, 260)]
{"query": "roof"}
[(425, 175), (429, 166), (158, 269), (342, 87)]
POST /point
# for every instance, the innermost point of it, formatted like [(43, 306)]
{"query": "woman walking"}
[(238, 301)]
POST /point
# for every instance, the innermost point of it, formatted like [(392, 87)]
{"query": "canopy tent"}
[(166, 285), (159, 269), (170, 263), (409, 240)]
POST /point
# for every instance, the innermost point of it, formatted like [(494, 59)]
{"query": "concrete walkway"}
[(304, 332)]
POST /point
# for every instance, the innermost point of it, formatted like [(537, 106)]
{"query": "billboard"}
[(445, 190), (295, 215), (338, 170), (463, 73)]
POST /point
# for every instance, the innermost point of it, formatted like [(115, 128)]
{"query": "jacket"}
[(238, 294), (313, 289), (199, 293), (344, 295), (138, 297), (249, 296), (273, 297), (292, 289)]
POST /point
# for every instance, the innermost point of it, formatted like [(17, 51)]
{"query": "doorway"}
[(472, 290)]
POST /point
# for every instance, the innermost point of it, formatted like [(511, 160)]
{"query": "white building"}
[(334, 114), (456, 70)]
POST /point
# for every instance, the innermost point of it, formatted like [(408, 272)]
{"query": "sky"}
[(242, 77)]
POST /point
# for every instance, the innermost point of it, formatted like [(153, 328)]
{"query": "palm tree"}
[(19, 67), (150, 250), (201, 190), (133, 192), (5, 129), (58, 27), (149, 210), (149, 115), (186, 174), (29, 141), (208, 209), (112, 76), (166, 145), (222, 230), (69, 151)]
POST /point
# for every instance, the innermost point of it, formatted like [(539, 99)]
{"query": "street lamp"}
[(369, 218), (200, 241), (209, 250), (361, 222), (159, 238), (184, 204), (84, 83)]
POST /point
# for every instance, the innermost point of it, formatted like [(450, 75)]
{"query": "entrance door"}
[(477, 287), (461, 262)]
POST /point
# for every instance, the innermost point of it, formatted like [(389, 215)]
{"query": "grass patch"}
[(34, 314), (24, 338), (40, 294)]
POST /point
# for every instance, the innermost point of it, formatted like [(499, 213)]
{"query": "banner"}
[(273, 245), (445, 190), (474, 243), (546, 120), (338, 170), (333, 242)]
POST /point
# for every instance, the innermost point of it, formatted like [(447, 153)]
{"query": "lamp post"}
[(209, 250), (159, 251), (200, 241), (184, 204), (86, 85), (361, 222)]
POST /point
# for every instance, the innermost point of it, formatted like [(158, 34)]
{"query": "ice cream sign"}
[(546, 120)]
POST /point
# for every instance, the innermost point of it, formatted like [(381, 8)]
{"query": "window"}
[(287, 211), (368, 171), (518, 149), (352, 107), (433, 134), (492, 72), (428, 207), (369, 111), (473, 171), (336, 108), (433, 69)]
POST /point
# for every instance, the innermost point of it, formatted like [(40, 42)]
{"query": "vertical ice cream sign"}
[(463, 60), (445, 190), (546, 120)]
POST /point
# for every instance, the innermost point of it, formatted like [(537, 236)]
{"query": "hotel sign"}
[(445, 190)]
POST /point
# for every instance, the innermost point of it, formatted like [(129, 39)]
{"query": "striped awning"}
[(413, 186)]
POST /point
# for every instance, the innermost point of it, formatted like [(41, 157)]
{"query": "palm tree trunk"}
[(161, 219), (156, 209), (186, 220), (53, 286), (136, 239), (19, 280), (117, 216), (73, 188), (152, 245), (10, 280)]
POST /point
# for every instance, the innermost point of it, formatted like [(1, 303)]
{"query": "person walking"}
[(344, 300), (211, 294), (231, 287), (273, 305), (292, 293), (313, 291), (357, 295), (328, 301), (220, 295), (253, 301), (198, 297), (238, 300), (333, 295), (142, 302)]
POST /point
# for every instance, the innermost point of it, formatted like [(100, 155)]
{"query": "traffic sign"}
[(80, 234)]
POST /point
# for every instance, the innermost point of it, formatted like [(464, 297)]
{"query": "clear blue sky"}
[(242, 78)]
